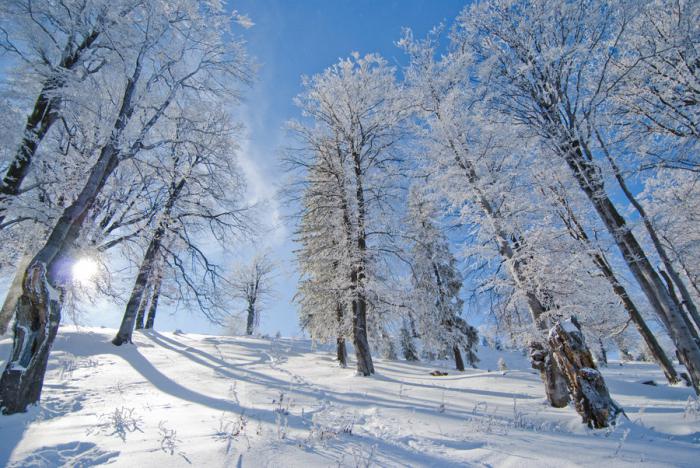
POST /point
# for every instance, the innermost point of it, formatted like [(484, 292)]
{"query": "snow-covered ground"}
[(196, 400)]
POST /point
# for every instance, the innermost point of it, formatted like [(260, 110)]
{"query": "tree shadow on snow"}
[(73, 454)]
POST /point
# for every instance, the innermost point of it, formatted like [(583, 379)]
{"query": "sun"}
[(84, 270)]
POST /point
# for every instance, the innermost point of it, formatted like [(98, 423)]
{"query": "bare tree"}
[(252, 283)]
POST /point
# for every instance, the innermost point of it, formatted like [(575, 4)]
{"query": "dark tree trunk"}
[(672, 277), (672, 292), (250, 323), (138, 293), (602, 354), (555, 387), (577, 231), (38, 317), (146, 270), (42, 117), (27, 380), (585, 383), (154, 303), (459, 363), (365, 366), (363, 354), (341, 352)]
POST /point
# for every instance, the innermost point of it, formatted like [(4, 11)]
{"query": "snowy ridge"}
[(196, 400)]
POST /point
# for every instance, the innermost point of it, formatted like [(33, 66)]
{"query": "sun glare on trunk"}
[(84, 270)]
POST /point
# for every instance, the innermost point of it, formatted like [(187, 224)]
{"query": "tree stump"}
[(585, 382)]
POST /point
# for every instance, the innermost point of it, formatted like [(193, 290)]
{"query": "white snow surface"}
[(196, 400)]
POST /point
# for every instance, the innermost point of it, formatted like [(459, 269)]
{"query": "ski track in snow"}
[(195, 400)]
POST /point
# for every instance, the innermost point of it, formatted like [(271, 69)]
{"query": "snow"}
[(197, 400)]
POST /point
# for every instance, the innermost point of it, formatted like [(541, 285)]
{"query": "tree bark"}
[(16, 390), (250, 323), (585, 383), (154, 303), (687, 301), (365, 366), (142, 307), (551, 375), (459, 363), (38, 316), (147, 267), (341, 352), (13, 295), (138, 292), (555, 388)]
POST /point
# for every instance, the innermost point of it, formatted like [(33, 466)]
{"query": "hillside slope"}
[(195, 400)]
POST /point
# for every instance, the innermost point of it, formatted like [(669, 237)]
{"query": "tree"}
[(437, 282), (165, 64), (549, 71), (470, 155), (58, 44), (203, 193), (252, 283), (357, 117)]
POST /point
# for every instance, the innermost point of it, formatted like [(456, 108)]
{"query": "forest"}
[(519, 185)]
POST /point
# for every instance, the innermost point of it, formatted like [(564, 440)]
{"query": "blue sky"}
[(290, 38), (303, 37)]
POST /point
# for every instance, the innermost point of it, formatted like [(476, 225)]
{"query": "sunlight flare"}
[(84, 270)]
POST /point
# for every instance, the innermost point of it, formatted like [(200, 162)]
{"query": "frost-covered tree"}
[(356, 120), (468, 157), (437, 306), (55, 47), (201, 200), (548, 67), (252, 283), (161, 64)]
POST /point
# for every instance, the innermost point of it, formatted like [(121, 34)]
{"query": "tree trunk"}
[(13, 295), (154, 303), (138, 292), (359, 304), (602, 356), (142, 307), (585, 383), (688, 320), (549, 372), (44, 114), (341, 352), (555, 388), (674, 278), (51, 260), (459, 363), (251, 319), (360, 342), (38, 314), (147, 266)]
